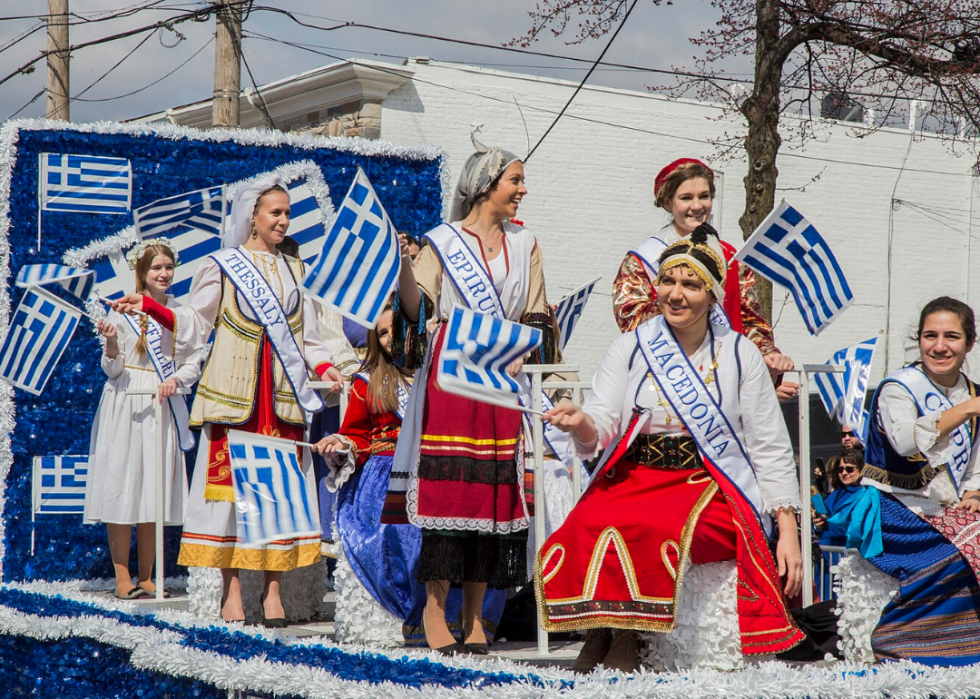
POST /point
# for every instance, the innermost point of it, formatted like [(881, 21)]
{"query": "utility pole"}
[(58, 82), (227, 63)]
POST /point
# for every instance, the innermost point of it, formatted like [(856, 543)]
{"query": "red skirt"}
[(620, 557), (470, 475)]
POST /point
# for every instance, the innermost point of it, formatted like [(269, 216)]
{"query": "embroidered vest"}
[(885, 465), (229, 384)]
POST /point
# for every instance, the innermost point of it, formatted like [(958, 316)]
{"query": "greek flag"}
[(77, 282), (843, 394), (202, 209), (115, 279), (271, 497), (39, 332), (59, 484), (85, 184), (475, 353), (357, 269), (788, 250), (570, 310)]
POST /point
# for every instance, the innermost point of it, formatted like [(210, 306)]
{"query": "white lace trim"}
[(466, 524), (788, 503)]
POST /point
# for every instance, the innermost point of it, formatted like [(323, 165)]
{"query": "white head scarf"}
[(243, 209), (479, 172)]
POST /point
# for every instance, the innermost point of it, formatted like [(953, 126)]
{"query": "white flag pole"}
[(40, 196)]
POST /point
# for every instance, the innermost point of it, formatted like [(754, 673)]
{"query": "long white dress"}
[(210, 533), (122, 460)]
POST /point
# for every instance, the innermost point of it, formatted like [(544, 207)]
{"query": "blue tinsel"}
[(59, 421), (355, 667)]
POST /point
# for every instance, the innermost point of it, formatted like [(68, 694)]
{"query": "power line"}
[(584, 80), (167, 23), (606, 122), (117, 64), (155, 82)]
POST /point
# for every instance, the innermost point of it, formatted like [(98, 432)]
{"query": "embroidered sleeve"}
[(634, 298), (754, 323), (357, 427)]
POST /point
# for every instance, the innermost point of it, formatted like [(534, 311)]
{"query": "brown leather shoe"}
[(624, 653), (597, 642)]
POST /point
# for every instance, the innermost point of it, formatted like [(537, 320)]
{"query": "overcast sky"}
[(655, 37)]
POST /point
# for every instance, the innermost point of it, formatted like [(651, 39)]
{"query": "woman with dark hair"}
[(697, 463), (921, 454), (460, 461), (685, 189)]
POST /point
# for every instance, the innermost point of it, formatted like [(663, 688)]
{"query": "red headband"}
[(662, 175)]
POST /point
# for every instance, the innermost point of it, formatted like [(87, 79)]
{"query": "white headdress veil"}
[(243, 208)]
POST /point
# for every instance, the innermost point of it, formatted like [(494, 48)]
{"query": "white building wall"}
[(590, 196)]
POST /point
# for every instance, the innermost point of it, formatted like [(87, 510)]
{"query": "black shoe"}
[(451, 649), (279, 623), (477, 648)]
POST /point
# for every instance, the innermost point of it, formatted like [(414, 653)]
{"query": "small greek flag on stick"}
[(843, 394), (202, 209), (476, 350), (271, 498), (360, 261), (789, 251), (570, 310), (39, 332), (77, 282), (85, 184), (59, 484)]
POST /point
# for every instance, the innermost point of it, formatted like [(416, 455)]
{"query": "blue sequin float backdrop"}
[(407, 180)]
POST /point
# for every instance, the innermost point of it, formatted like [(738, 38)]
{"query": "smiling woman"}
[(676, 405)]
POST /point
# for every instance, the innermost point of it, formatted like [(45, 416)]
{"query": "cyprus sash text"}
[(929, 399)]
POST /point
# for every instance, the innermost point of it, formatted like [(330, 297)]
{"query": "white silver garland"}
[(707, 633), (358, 618), (9, 135), (862, 592), (159, 650)]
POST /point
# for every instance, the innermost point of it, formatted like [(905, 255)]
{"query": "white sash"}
[(165, 369), (929, 399), (402, 393), (697, 408), (263, 302), (466, 272), (476, 288), (648, 252)]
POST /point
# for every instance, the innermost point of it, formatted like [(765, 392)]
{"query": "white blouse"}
[(742, 380), (195, 321), (909, 434)]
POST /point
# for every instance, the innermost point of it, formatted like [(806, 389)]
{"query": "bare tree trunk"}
[(58, 82), (761, 110), (227, 65)]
